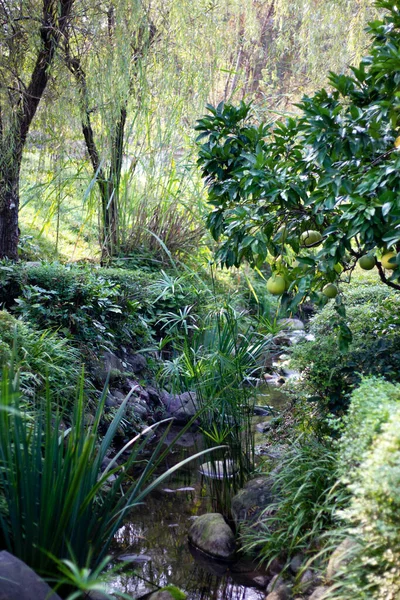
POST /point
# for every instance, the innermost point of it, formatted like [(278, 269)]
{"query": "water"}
[(155, 538)]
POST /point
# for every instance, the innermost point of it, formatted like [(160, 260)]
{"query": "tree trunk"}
[(9, 205), (54, 22)]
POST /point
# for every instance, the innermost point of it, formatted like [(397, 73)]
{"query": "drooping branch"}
[(108, 179)]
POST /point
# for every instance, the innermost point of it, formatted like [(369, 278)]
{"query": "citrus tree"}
[(320, 192)]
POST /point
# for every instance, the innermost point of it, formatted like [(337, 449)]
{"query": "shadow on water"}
[(154, 540)]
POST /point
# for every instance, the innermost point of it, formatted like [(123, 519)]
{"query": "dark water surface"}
[(154, 541)]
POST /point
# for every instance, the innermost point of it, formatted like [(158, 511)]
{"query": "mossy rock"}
[(211, 534), (170, 592)]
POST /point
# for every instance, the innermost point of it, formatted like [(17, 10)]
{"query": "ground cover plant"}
[(41, 357)]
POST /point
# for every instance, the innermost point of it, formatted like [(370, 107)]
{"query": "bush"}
[(373, 518), (372, 405), (39, 356), (373, 315), (95, 307)]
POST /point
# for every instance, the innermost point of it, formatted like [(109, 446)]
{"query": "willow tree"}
[(105, 56), (30, 34)]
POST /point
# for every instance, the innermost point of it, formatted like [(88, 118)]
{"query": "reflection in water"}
[(155, 539)]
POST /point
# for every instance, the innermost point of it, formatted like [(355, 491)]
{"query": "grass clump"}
[(305, 503)]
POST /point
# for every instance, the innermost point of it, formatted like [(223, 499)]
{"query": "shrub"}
[(95, 307), (40, 356), (374, 522), (330, 373), (372, 405)]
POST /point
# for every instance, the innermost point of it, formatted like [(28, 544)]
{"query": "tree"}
[(334, 169), (29, 37), (123, 38)]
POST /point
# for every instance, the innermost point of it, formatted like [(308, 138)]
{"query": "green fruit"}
[(330, 290), (276, 285), (367, 262), (309, 238), (385, 260)]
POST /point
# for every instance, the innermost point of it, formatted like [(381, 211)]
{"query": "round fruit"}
[(309, 238), (330, 290), (397, 142), (367, 262), (385, 260), (276, 285)]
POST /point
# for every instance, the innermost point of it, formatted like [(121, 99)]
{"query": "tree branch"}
[(52, 29), (384, 279)]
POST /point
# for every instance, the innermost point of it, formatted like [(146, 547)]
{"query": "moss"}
[(175, 592)]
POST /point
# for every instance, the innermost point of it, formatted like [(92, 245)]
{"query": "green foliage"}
[(95, 307), (305, 502), (58, 501), (373, 520), (218, 357), (85, 580), (330, 373), (40, 356), (372, 405), (334, 169)]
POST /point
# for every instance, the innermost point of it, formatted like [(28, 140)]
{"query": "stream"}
[(154, 541)]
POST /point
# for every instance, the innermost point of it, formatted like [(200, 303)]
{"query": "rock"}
[(118, 396), (154, 395), (211, 534), (310, 580), (161, 595), (251, 500), (296, 563), (180, 406), (139, 409), (20, 582), (281, 593), (111, 402), (278, 585), (282, 340), (276, 451), (319, 593), (218, 469), (291, 324), (340, 557), (111, 362), (144, 396), (263, 427), (307, 580), (137, 363), (262, 411)]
